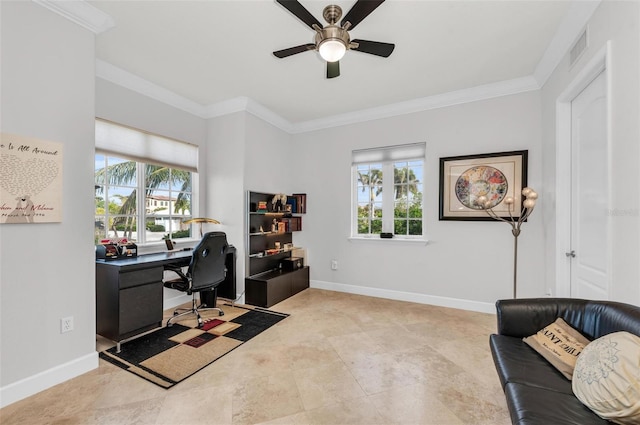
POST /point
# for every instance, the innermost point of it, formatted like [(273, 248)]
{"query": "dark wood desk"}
[(129, 292)]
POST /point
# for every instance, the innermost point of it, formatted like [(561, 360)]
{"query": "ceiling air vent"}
[(578, 48)]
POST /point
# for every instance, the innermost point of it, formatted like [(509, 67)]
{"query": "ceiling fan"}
[(332, 41)]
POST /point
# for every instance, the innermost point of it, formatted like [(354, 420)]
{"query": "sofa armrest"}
[(526, 316)]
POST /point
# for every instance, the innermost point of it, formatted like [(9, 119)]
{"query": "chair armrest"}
[(177, 270), (526, 316)]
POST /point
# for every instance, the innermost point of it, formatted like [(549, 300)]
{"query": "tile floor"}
[(338, 359)]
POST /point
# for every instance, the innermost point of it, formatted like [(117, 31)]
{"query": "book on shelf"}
[(292, 202), (301, 203), (292, 224)]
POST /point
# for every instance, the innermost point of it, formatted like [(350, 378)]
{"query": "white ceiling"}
[(203, 55)]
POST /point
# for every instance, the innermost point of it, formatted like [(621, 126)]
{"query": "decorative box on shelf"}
[(129, 250), (111, 249), (107, 251), (262, 207), (292, 263)]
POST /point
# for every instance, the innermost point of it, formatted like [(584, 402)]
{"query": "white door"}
[(590, 192)]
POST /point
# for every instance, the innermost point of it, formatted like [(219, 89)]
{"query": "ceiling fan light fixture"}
[(332, 49)]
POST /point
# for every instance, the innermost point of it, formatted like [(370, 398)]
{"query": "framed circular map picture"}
[(495, 176)]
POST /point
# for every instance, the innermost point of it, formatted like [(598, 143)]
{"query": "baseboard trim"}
[(46, 379), (169, 303), (478, 306)]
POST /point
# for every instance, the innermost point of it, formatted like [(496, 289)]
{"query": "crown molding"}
[(80, 12), (569, 29), (245, 104), (132, 82), (269, 116), (473, 94)]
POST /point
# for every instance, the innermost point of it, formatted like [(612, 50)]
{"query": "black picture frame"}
[(463, 178)]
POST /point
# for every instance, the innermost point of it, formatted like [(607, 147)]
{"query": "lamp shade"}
[(332, 50)]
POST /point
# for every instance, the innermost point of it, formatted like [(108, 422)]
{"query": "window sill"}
[(155, 246), (412, 241)]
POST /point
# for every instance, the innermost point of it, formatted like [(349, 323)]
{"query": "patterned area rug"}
[(168, 356)]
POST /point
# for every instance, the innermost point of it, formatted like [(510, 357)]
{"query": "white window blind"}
[(116, 139), (389, 153)]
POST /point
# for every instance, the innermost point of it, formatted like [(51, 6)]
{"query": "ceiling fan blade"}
[(333, 69), (359, 11), (374, 47), (294, 50), (301, 13)]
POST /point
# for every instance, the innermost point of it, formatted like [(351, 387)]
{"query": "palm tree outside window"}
[(388, 193), (159, 215)]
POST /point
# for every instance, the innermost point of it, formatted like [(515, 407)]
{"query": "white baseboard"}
[(173, 302), (46, 379), (478, 306), (169, 303)]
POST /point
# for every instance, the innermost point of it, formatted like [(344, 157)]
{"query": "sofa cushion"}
[(607, 377), (534, 405), (560, 344), (517, 362)]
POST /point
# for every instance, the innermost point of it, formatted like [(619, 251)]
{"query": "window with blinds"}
[(129, 162)]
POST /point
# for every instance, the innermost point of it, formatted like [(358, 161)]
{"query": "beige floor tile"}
[(326, 384), (381, 372), (415, 404), (124, 388), (353, 412), (265, 398), (202, 406), (139, 413), (339, 359)]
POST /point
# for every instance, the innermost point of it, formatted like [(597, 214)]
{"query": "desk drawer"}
[(140, 277), (140, 307)]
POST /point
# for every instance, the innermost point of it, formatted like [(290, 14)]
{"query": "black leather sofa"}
[(536, 392)]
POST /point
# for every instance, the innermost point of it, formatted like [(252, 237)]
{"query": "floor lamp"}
[(529, 203)]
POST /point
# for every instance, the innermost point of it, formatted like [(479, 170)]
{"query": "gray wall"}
[(47, 270)]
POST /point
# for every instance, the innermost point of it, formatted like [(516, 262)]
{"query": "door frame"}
[(600, 62)]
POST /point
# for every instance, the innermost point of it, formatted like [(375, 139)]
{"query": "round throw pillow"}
[(606, 378)]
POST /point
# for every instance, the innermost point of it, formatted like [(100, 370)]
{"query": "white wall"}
[(225, 182), (244, 153), (465, 263), (124, 106), (619, 23), (47, 270)]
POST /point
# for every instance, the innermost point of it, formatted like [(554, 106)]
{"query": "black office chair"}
[(206, 271)]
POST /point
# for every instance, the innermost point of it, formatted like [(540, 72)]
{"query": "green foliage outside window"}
[(118, 217), (407, 211)]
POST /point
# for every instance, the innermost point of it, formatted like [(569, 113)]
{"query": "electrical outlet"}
[(66, 324), (334, 264)]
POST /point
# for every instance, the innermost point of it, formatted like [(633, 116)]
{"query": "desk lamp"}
[(201, 220)]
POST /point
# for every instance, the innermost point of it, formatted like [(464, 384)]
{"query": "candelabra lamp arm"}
[(495, 216), (526, 212)]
